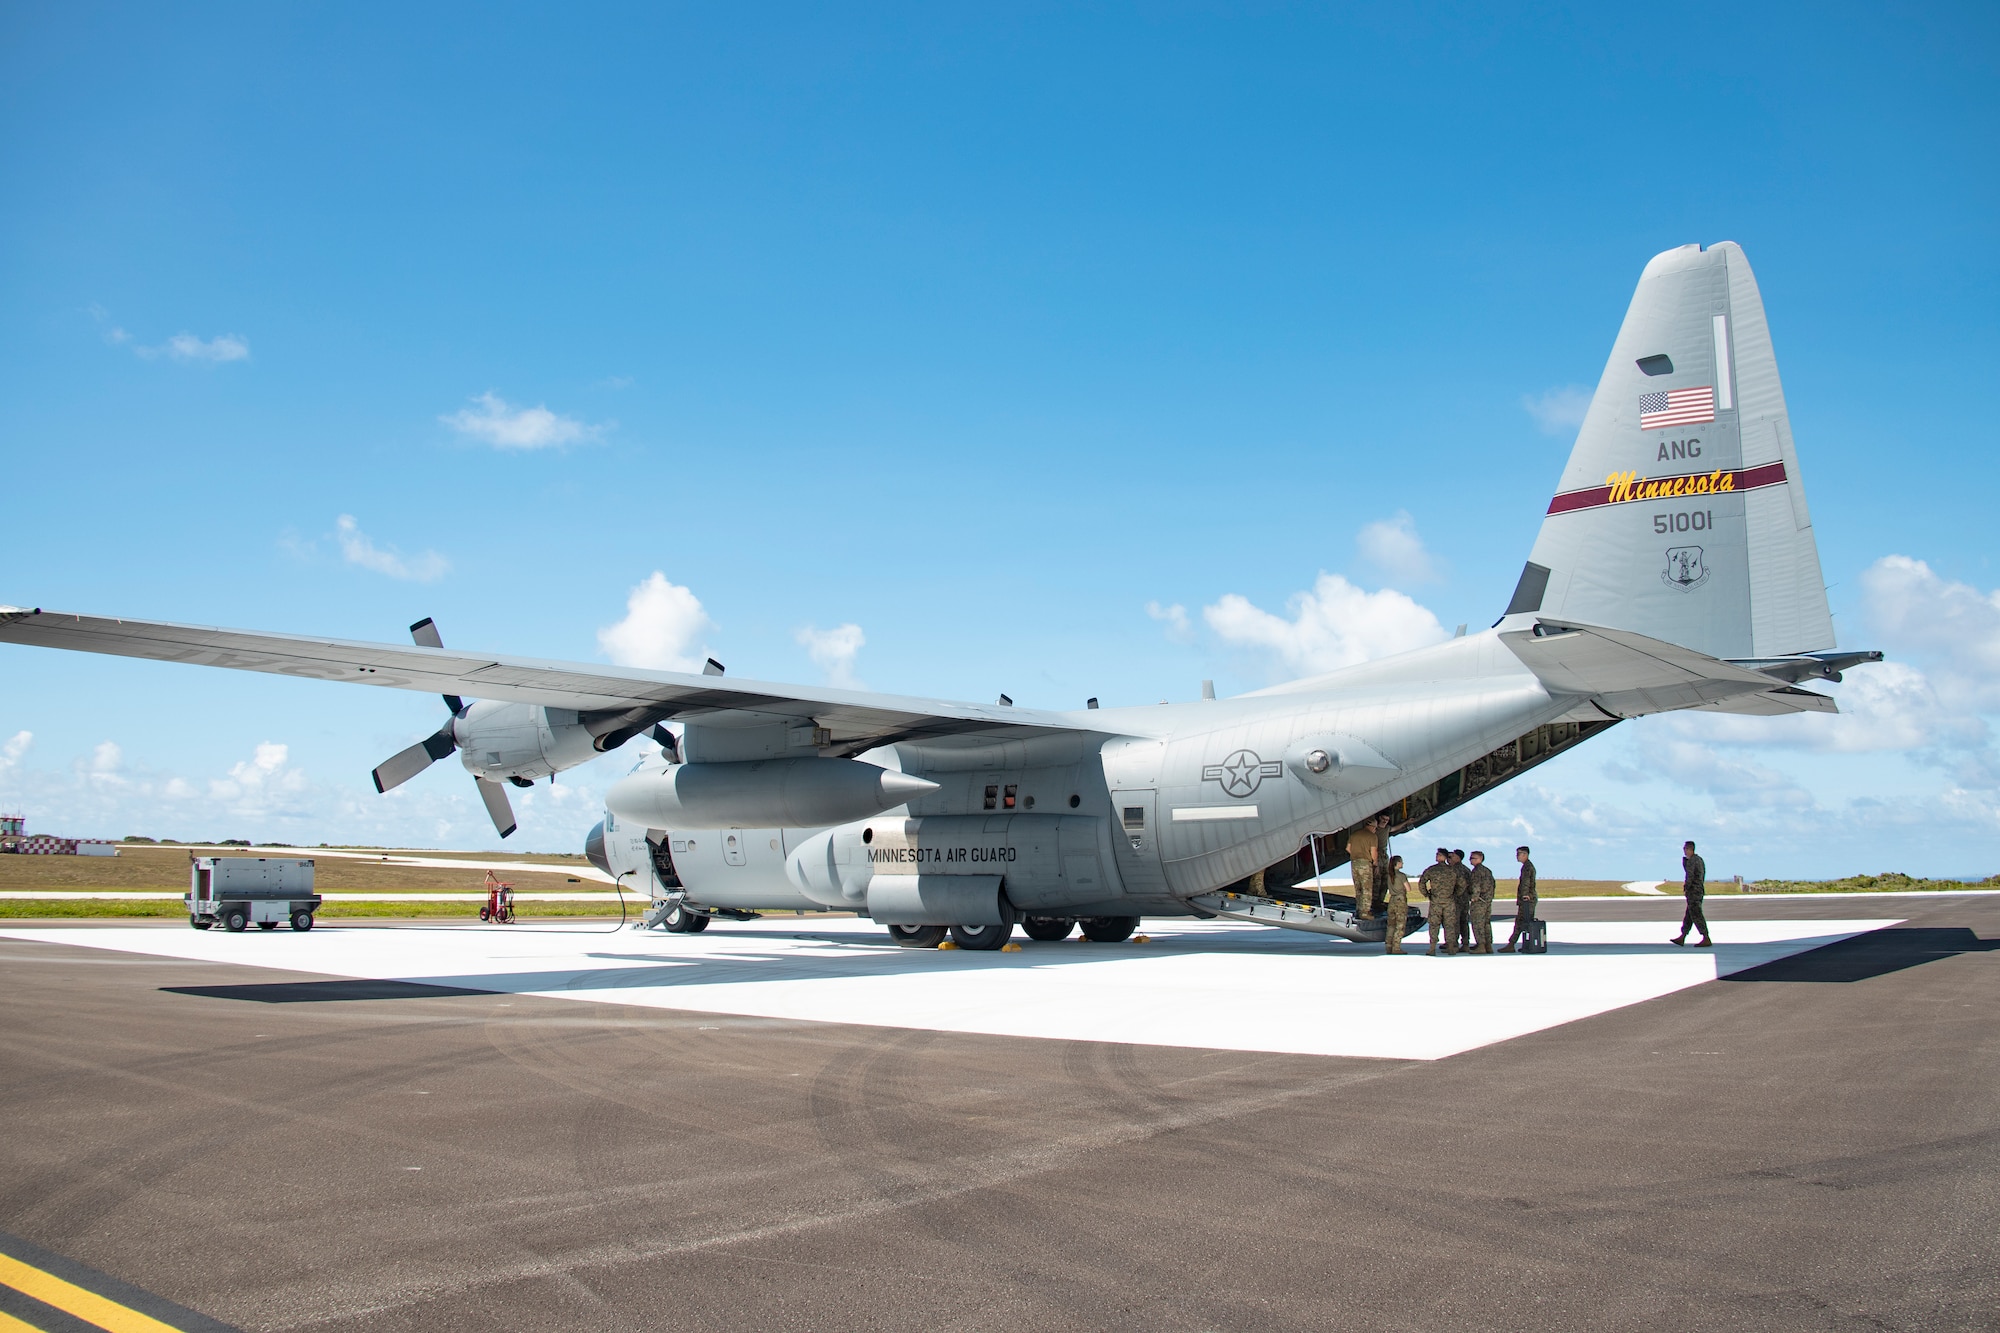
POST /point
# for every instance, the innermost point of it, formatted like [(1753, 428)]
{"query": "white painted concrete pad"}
[(1218, 985)]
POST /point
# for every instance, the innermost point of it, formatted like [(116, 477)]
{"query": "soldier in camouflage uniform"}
[(1481, 880), (1396, 904), (1439, 883), (1525, 898), (1361, 851), (1694, 887), (1462, 902)]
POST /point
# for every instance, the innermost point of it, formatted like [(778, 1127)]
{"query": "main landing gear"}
[(982, 938), (1047, 929)]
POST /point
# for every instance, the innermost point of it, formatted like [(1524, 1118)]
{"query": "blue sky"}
[(981, 331)]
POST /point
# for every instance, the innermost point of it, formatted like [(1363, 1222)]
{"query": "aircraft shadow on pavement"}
[(318, 992), (1875, 954)]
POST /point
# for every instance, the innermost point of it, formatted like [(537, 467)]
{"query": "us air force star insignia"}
[(1242, 772)]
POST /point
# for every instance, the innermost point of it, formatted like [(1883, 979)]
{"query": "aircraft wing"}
[(855, 721)]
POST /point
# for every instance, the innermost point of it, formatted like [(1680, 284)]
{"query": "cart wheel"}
[(198, 923), (235, 919), (485, 913), (302, 921)]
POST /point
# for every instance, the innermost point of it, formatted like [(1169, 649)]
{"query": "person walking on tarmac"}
[(1694, 887), (1525, 898), (1481, 880), (1439, 883), (1396, 902), (1461, 898)]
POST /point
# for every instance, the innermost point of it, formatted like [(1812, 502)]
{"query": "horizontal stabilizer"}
[(1628, 674), (1774, 703)]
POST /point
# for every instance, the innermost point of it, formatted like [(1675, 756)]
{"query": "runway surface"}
[(400, 1131)]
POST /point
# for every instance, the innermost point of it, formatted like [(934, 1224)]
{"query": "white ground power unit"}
[(237, 890)]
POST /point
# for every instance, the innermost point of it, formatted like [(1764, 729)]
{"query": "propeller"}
[(406, 764)]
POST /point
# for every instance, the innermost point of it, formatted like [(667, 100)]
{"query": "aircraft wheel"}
[(683, 922), (302, 921), (1109, 929), (697, 923), (918, 937), (1048, 929), (234, 920), (981, 937)]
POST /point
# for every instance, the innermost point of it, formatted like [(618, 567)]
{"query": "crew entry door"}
[(1136, 839)]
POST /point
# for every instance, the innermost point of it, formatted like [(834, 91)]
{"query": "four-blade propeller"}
[(406, 764)]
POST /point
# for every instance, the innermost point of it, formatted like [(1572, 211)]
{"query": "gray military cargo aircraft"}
[(1675, 569)]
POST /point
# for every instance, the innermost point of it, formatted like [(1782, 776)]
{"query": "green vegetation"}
[(42, 908), (1887, 882)]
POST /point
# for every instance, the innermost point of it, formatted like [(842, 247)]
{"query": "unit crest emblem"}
[(1685, 569)]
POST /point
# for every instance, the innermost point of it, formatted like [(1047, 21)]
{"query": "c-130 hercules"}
[(1675, 569)]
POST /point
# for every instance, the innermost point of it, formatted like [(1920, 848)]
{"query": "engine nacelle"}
[(498, 741), (765, 793)]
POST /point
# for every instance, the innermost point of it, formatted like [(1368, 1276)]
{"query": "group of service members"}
[(1461, 897), (1461, 892)]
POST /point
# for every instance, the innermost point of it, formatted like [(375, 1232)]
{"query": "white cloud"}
[(1933, 703), (1175, 618), (662, 623), (1954, 624), (1693, 767), (183, 346), (16, 746), (833, 651), (1558, 411), (357, 549), (1334, 625), (1393, 546), (187, 347), (1883, 706), (255, 785), (507, 427), (105, 761)]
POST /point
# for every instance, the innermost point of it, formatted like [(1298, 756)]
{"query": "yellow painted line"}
[(85, 1304), (9, 1324)]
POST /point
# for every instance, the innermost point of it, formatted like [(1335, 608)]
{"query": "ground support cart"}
[(234, 891)]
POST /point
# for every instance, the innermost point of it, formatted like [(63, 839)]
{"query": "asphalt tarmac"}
[(1811, 1144)]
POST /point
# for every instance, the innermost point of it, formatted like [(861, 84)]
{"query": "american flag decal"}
[(1676, 407)]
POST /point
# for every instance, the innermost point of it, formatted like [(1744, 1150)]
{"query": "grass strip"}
[(62, 908)]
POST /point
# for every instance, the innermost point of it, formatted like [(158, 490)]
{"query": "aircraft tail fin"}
[(1681, 514)]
